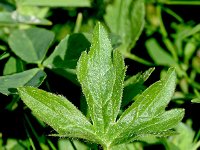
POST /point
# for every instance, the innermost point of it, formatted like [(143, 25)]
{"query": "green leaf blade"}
[(126, 19), (148, 105), (134, 85), (57, 112), (97, 73), (12, 66), (32, 77), (158, 54), (120, 69), (164, 122), (64, 58), (32, 44), (157, 96)]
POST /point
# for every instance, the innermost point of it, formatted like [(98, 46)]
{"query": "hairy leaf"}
[(57, 112), (147, 114), (101, 75)]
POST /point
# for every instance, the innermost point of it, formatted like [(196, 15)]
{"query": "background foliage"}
[(41, 41)]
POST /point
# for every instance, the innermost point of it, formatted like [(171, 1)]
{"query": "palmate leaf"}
[(101, 73), (97, 74)]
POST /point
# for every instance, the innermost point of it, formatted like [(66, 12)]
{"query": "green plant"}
[(101, 74), (42, 40)]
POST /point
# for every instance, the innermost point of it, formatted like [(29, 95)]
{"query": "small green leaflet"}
[(101, 74), (64, 58), (31, 45), (13, 65), (158, 54)]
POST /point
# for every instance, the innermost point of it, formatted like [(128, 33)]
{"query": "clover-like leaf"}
[(64, 58), (31, 45), (13, 65)]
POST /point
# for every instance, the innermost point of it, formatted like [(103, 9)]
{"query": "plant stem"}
[(51, 144), (106, 148), (73, 145), (172, 13), (182, 2), (137, 59), (166, 40), (29, 138), (78, 23), (197, 145)]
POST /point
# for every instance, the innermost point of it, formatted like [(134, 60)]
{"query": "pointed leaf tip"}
[(101, 74)]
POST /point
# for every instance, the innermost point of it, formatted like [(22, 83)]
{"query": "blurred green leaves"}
[(57, 3), (14, 18), (32, 77), (185, 140), (160, 56), (126, 19)]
